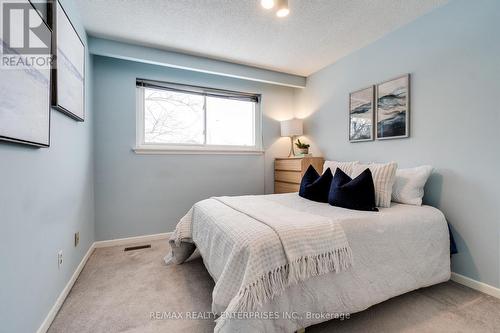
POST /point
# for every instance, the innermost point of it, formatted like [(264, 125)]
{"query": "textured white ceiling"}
[(314, 35)]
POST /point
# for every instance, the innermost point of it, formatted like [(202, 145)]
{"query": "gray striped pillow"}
[(344, 166), (384, 176)]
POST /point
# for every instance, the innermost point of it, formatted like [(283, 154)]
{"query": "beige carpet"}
[(117, 291)]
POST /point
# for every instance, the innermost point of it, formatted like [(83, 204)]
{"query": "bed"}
[(393, 251)]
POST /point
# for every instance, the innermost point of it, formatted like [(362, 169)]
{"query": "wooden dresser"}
[(288, 172)]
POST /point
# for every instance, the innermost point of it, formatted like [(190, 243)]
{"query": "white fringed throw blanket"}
[(303, 245)]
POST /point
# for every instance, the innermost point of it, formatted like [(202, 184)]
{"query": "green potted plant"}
[(302, 147)]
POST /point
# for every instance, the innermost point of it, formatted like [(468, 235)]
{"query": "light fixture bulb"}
[(282, 9), (267, 4), (282, 12)]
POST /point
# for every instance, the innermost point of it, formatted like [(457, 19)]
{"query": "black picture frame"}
[(19, 140), (57, 102), (43, 7)]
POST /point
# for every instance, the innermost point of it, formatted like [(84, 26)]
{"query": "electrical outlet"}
[(59, 259), (77, 238)]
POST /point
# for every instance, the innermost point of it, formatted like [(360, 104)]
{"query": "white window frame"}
[(142, 147)]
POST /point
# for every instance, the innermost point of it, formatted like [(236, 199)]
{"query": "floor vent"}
[(139, 247)]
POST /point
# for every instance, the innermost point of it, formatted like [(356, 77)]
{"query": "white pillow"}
[(344, 166), (409, 185), (383, 179)]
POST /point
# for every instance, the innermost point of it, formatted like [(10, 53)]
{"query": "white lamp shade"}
[(292, 127)]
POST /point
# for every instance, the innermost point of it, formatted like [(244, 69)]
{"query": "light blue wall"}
[(148, 55), (453, 54), (146, 194), (45, 196)]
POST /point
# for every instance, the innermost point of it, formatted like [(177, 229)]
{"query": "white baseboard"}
[(62, 296), (474, 284), (131, 240), (100, 244)]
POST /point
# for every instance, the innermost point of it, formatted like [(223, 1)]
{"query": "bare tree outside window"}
[(172, 117)]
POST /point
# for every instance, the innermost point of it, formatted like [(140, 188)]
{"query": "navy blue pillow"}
[(357, 193), (315, 187)]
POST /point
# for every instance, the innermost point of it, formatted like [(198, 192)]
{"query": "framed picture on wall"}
[(68, 93), (393, 108), (25, 89), (361, 114)]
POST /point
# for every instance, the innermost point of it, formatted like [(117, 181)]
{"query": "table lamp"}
[(291, 128)]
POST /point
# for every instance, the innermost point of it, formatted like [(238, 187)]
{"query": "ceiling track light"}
[(281, 6), (282, 9), (267, 4)]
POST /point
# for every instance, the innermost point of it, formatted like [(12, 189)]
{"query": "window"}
[(173, 117)]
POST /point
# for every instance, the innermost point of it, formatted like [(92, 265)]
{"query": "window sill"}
[(193, 151)]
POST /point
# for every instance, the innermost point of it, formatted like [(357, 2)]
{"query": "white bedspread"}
[(308, 245), (394, 251)]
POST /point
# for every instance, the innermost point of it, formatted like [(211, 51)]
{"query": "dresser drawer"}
[(288, 176), (288, 164), (280, 187), (288, 172)]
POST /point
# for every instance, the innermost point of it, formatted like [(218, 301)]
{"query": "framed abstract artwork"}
[(25, 90), (68, 93), (393, 108), (361, 115)]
